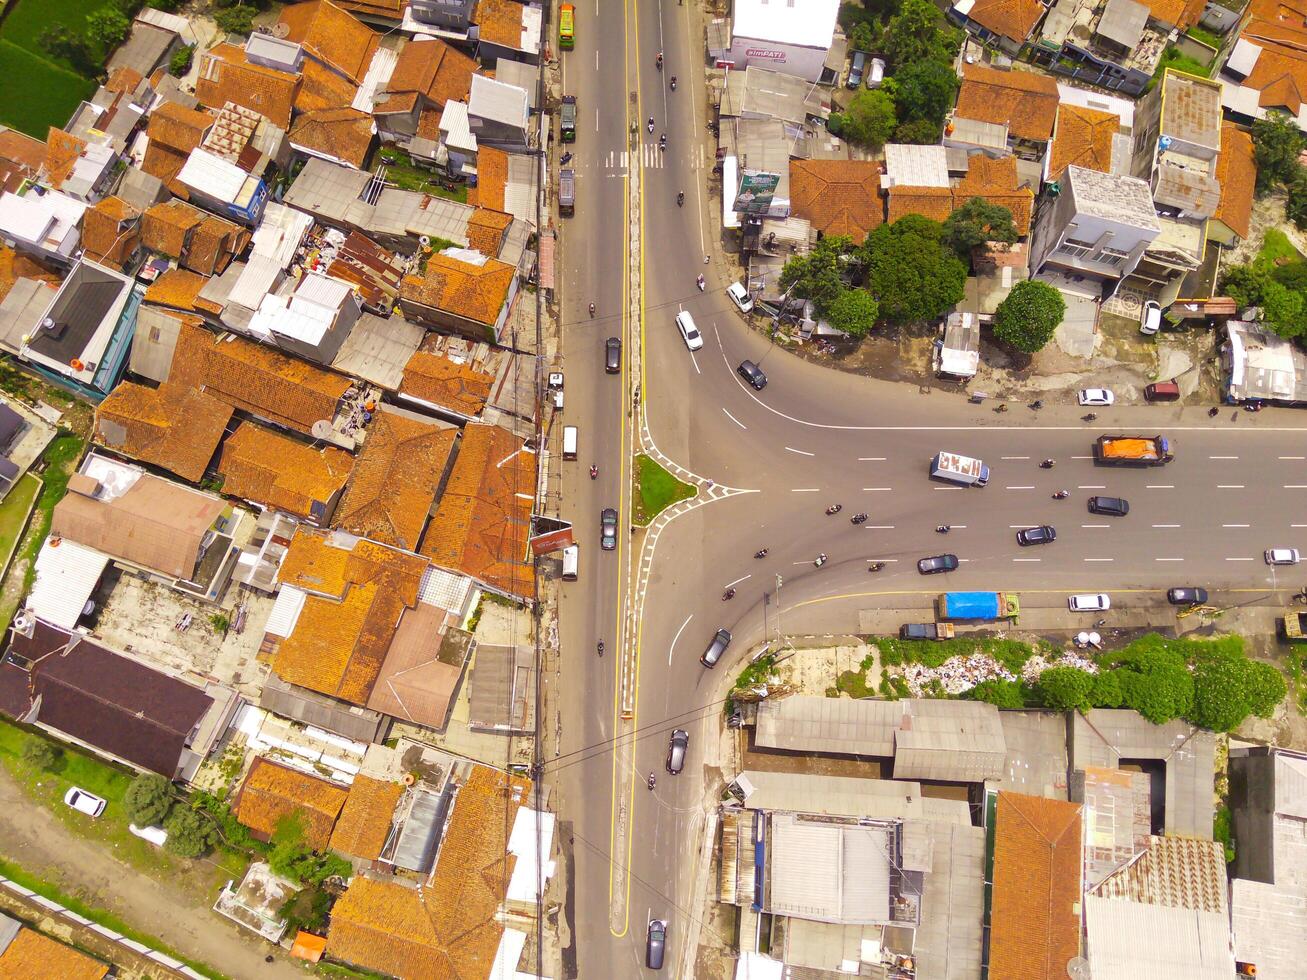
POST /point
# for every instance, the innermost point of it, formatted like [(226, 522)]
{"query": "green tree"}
[(167, 6), (978, 221), (1277, 141), (148, 799), (1156, 682), (1243, 284), (235, 20), (1065, 688), (924, 132), (1295, 207), (1000, 693), (1028, 316), (911, 274), (869, 119), (924, 90), (180, 62), (39, 753), (1106, 692), (189, 833), (108, 27), (854, 312), (816, 276), (1228, 687), (916, 33), (1283, 310), (860, 38)]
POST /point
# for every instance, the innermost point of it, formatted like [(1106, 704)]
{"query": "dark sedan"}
[(608, 529), (1186, 595), (655, 943), (613, 356), (937, 563), (751, 373), (676, 749), (1036, 535)]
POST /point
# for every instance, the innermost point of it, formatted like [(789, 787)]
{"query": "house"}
[(957, 352), (1236, 172), (1259, 365), (272, 793), (24, 952), (43, 225), (199, 241), (1022, 101), (994, 180), (785, 38), (311, 322), (428, 75), (113, 114), (399, 471), (483, 518), (838, 197), (1124, 937), (21, 157), (453, 925), (284, 473), (83, 170), (23, 439), (450, 388), (111, 234), (227, 74), (1034, 917), (1087, 138), (499, 114), (365, 820), (1114, 44), (388, 13), (1008, 24), (1266, 70), (247, 139), (173, 427), (761, 93), (377, 350), (331, 36), (342, 135), (371, 271), (184, 538), (461, 290), (507, 29), (154, 36), (451, 17), (223, 187), (109, 702), (173, 132), (1096, 225)]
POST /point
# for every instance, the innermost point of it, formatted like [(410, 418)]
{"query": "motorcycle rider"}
[(594, 471), (680, 199), (673, 83)]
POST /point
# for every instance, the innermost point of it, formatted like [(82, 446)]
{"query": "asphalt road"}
[(811, 438)]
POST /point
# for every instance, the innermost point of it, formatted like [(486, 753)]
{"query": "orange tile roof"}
[(393, 9), (500, 22), (1014, 19), (124, 79), (21, 158), (322, 88), (15, 266), (215, 242), (176, 288), (332, 35), (62, 153), (279, 471), (174, 427), (838, 197), (338, 645), (492, 179), (33, 956), (345, 134), (389, 103), (1236, 170), (429, 123), (272, 792), (166, 163), (365, 821), (256, 379), (394, 484), (447, 929), (1083, 138), (485, 230), (226, 76), (1183, 14), (111, 231), (474, 292), (484, 518), (434, 70), (996, 181), (178, 127), (167, 226), (1280, 74), (1023, 101), (1036, 895), (935, 203), (440, 380)]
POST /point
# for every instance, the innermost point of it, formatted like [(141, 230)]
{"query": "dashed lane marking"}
[(801, 452)]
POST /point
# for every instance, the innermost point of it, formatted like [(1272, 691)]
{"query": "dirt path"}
[(43, 847)]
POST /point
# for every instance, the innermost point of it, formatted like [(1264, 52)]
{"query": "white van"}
[(571, 559), (569, 442), (689, 332)]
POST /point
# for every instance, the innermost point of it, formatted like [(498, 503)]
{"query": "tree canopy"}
[(978, 221), (148, 799), (1277, 141), (1028, 316), (869, 119), (924, 89), (816, 276), (911, 274), (854, 312), (916, 33)]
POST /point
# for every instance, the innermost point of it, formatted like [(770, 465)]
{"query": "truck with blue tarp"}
[(977, 605)]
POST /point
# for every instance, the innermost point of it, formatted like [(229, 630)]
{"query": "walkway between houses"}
[(45, 848)]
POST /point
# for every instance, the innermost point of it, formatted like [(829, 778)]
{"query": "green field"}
[(13, 514), (42, 91)]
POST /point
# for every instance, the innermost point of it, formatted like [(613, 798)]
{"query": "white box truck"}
[(962, 470)]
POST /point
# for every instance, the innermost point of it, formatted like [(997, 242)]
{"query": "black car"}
[(720, 641), (1109, 506), (1036, 535), (655, 943), (676, 749), (1186, 595), (608, 529), (918, 631), (937, 563), (613, 356), (751, 373)]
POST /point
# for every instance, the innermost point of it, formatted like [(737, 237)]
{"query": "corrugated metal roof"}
[(829, 872), (810, 723), (948, 941), (960, 741), (416, 850), (258, 277), (66, 575), (285, 611), (280, 233), (1270, 928), (213, 176), (1133, 941), (377, 350)]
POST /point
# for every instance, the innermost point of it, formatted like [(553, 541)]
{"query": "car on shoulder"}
[(751, 373), (655, 944), (1186, 595), (937, 563), (1043, 534), (739, 296), (613, 356), (1282, 556), (84, 802), (716, 647), (1096, 397), (1109, 506), (926, 631), (608, 528), (1089, 602), (677, 747)]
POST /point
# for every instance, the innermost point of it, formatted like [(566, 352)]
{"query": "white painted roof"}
[(1243, 57), (212, 175), (25, 218), (285, 611), (280, 232), (522, 843), (257, 279), (804, 23), (66, 575)]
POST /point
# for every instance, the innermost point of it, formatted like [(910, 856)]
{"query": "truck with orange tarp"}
[(1133, 450)]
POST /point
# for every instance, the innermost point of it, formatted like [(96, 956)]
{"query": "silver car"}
[(678, 745)]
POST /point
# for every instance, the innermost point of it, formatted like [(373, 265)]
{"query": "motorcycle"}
[(662, 141), (858, 519), (834, 509), (650, 124), (659, 61), (567, 158), (943, 528), (1213, 412), (600, 648), (819, 561), (1046, 464), (673, 83), (592, 311), (1088, 418), (875, 566), (760, 553), (728, 594), (594, 472), (1036, 405), (701, 283), (680, 199), (1062, 495), (652, 782)]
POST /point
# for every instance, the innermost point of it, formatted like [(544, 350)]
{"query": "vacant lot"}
[(41, 91)]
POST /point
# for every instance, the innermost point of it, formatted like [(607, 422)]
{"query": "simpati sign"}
[(773, 54), (757, 187)]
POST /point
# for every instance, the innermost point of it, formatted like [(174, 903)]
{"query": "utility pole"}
[(779, 582)]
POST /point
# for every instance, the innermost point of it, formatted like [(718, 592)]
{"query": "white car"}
[(1090, 602), (1282, 556), (155, 835), (739, 296), (84, 802), (1096, 396), (1150, 321), (689, 332)]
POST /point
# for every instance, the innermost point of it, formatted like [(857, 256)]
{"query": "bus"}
[(566, 26)]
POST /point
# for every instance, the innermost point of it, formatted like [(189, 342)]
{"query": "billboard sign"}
[(757, 188)]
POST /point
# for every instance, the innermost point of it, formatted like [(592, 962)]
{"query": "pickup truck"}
[(567, 128), (1133, 450), (977, 605), (566, 193), (926, 631)]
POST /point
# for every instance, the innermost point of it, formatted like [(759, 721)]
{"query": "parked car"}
[(1162, 391), (751, 373), (1150, 321), (1186, 595), (937, 563), (876, 73), (155, 835), (689, 332), (716, 647), (613, 356), (739, 296), (608, 529), (1109, 506), (1282, 556), (677, 746), (84, 802), (1096, 397), (926, 631), (1044, 534), (856, 69), (1089, 602), (655, 944)]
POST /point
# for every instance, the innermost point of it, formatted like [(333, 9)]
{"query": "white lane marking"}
[(1022, 527), (1160, 486), (805, 489), (956, 526), (1099, 559), (1293, 457), (677, 637), (1091, 486), (1295, 486), (1166, 525), (801, 452), (871, 459), (1229, 486), (964, 559), (1014, 457), (1095, 525), (882, 559), (1168, 559), (947, 488), (879, 527), (1238, 559), (1236, 525), (698, 370), (1222, 457), (737, 581), (877, 488), (1025, 559), (735, 420), (1298, 525), (1018, 488), (1082, 457)]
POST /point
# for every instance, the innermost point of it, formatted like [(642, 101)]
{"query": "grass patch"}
[(1210, 38), (1012, 654), (854, 684), (13, 514), (1172, 58), (41, 93), (656, 489), (1275, 247), (1221, 831), (60, 460), (404, 173), (28, 21)]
